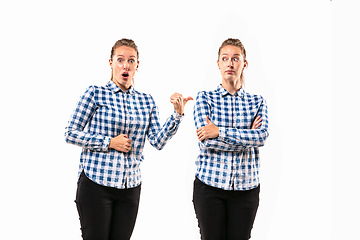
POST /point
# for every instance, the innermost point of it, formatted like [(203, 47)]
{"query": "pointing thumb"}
[(187, 99)]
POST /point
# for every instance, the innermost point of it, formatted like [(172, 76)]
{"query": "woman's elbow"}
[(263, 139), (158, 145), (70, 137), (67, 136)]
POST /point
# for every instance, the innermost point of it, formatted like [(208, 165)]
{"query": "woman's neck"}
[(231, 86), (123, 87)]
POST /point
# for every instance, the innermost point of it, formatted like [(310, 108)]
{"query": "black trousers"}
[(224, 215), (106, 213)]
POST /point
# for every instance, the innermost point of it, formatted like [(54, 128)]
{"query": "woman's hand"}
[(208, 131), (121, 143), (257, 123), (179, 102)]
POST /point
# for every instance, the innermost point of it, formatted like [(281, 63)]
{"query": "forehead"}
[(230, 50), (125, 51)]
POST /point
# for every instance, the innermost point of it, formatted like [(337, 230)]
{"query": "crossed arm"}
[(212, 131), (229, 138)]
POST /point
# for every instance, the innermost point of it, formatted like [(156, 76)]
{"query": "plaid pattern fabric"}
[(106, 112), (231, 161)]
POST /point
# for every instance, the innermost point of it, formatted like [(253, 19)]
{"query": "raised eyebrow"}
[(226, 54), (132, 56)]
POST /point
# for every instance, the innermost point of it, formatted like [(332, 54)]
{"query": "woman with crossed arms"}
[(111, 123), (231, 126)]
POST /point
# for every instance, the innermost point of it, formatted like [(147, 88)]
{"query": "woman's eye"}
[(119, 60), (224, 59), (236, 59), (131, 61)]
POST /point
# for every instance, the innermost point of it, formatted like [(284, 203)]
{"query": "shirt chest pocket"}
[(244, 118), (139, 117), (243, 121), (108, 121)]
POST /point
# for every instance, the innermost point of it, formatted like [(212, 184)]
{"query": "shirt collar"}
[(223, 92), (115, 88)]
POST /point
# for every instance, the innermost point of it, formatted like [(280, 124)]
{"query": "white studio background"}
[(52, 50)]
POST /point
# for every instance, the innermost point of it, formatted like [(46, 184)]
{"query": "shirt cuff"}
[(222, 133), (177, 116), (175, 120), (106, 144)]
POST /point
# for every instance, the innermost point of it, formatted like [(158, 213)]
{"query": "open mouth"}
[(125, 75)]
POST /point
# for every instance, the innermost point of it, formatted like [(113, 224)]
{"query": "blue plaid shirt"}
[(106, 112), (231, 161)]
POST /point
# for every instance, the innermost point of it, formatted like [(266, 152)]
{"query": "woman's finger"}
[(257, 122)]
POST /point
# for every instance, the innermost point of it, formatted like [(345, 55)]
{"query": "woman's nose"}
[(126, 65)]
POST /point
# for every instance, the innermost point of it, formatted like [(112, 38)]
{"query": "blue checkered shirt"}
[(231, 161), (106, 112)]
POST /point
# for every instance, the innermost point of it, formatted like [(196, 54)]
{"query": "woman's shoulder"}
[(147, 97), (95, 90), (142, 94), (207, 93), (94, 87), (253, 97)]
